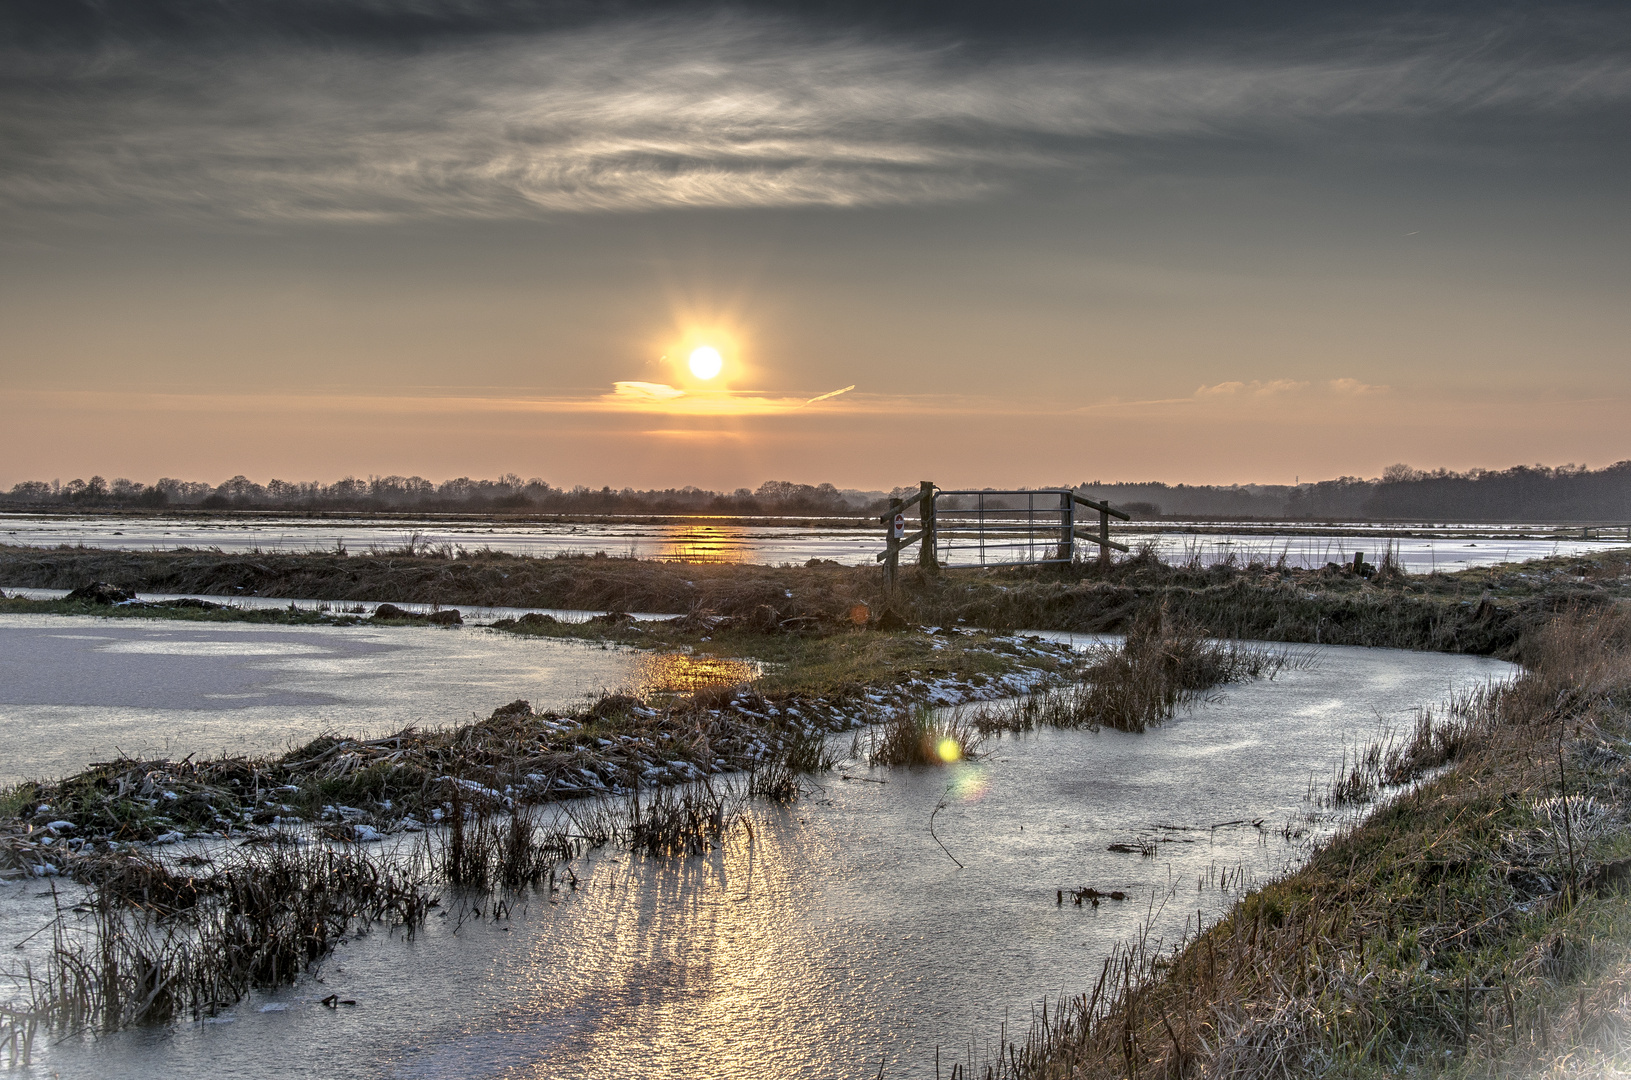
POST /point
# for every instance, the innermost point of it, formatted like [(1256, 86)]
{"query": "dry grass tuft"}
[(921, 736), (1163, 663)]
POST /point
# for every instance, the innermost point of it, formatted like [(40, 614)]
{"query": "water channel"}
[(839, 939)]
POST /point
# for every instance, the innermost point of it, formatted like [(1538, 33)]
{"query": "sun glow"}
[(705, 362)]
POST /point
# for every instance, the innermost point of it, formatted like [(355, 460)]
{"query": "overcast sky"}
[(1041, 243)]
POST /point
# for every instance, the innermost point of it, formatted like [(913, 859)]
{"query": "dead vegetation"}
[(154, 940), (920, 736), (1476, 925), (153, 943), (1163, 663), (1478, 611), (699, 717)]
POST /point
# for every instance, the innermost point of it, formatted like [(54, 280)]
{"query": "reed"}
[(1164, 662), (158, 945), (923, 736)]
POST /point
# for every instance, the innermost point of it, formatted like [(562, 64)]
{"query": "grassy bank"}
[(1479, 925), (1479, 611)]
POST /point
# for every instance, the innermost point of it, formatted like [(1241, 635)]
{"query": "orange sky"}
[(1051, 261)]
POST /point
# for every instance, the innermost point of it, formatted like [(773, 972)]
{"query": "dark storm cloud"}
[(356, 110)]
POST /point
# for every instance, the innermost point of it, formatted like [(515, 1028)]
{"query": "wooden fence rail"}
[(994, 526)]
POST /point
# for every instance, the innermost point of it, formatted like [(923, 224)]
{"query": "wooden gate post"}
[(1104, 535), (1067, 532), (892, 546), (928, 560)]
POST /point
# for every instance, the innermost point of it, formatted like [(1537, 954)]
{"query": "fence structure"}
[(974, 528)]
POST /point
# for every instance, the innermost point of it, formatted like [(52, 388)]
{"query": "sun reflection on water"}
[(704, 544), (703, 959), (684, 673)]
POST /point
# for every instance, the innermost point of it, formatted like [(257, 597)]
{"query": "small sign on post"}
[(900, 526)]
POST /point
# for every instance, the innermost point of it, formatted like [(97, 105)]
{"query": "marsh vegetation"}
[(1476, 924)]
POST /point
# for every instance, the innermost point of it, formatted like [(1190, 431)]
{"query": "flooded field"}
[(840, 939), (79, 689), (1420, 548)]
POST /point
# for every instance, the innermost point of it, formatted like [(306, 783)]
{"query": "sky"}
[(983, 244)]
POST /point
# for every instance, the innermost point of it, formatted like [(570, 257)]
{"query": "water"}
[(79, 689), (1420, 548), (842, 937)]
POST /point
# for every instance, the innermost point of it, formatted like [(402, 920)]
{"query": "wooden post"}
[(1067, 530), (928, 560), (892, 546), (1104, 535)]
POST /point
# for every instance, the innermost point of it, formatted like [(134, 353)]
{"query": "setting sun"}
[(705, 362)]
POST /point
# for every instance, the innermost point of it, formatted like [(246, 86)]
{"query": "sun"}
[(705, 362)]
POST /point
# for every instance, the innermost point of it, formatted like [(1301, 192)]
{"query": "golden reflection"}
[(949, 751), (695, 959), (679, 673), (703, 544)]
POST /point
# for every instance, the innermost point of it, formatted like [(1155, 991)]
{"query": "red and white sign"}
[(900, 526)]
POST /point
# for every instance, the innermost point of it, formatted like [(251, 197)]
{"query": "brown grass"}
[(1163, 663), (1474, 926), (1478, 611), (921, 736)]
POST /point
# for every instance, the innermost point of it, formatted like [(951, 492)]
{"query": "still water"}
[(1428, 547), (841, 937), (79, 689)]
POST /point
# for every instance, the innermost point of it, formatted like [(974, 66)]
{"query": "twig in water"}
[(941, 805)]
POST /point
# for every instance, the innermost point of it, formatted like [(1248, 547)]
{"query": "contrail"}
[(824, 397)]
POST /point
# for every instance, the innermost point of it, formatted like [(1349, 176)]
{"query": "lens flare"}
[(949, 750), (706, 362)]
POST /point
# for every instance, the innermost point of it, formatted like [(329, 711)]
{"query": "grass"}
[(921, 736), (1162, 664), (833, 663), (616, 743), (160, 944), (1480, 611), (1476, 925), (157, 940)]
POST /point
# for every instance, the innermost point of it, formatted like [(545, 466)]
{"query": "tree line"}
[(509, 493), (1523, 493)]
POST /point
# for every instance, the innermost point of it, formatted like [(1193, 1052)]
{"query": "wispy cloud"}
[(660, 397), (697, 111), (1255, 388), (831, 394), (645, 392)]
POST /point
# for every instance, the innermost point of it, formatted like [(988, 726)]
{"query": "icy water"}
[(1442, 547), (79, 689), (841, 938)]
